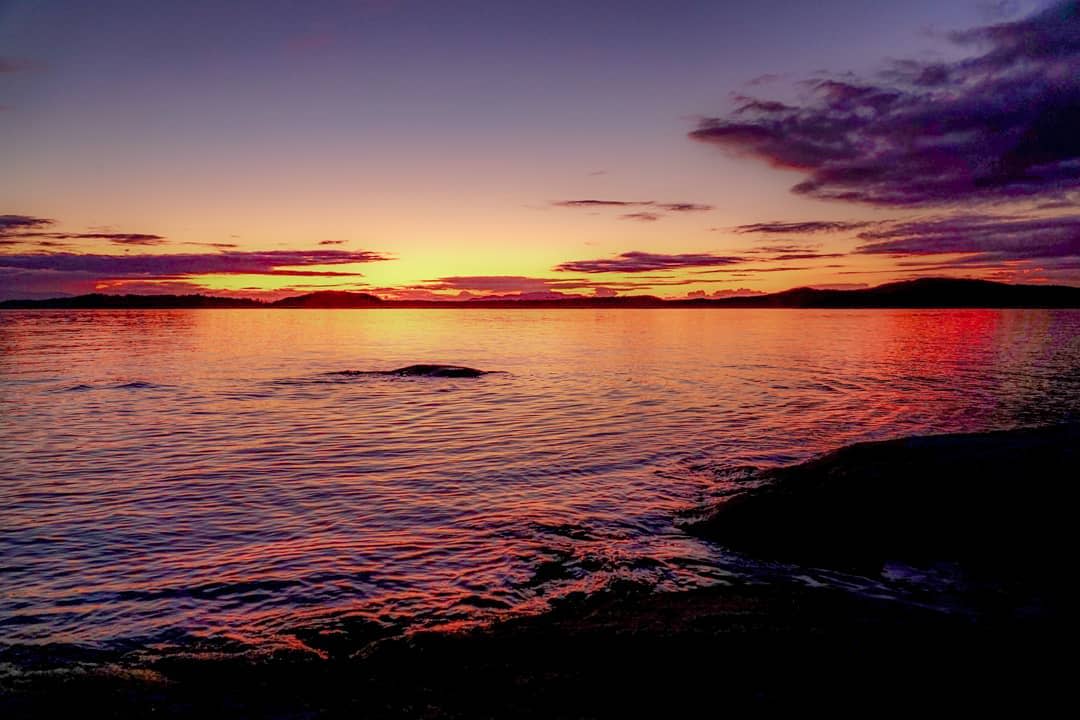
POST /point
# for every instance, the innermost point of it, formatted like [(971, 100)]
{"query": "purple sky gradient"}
[(536, 141)]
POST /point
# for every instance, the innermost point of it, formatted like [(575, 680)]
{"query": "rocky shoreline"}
[(998, 500), (992, 503)]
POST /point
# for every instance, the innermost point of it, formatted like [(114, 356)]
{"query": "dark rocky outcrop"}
[(999, 500)]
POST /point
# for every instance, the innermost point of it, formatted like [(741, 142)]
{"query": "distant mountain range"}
[(922, 293)]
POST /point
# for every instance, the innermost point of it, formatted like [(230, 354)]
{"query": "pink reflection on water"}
[(208, 472)]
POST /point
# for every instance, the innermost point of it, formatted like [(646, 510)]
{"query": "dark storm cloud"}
[(999, 125)]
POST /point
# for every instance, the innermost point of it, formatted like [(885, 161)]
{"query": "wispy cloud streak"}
[(650, 210), (271, 262), (803, 228), (635, 262)]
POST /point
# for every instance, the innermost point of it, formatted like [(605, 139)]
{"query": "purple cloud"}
[(519, 284), (601, 203), (785, 248), (12, 224), (800, 228), (465, 287), (115, 238), (529, 288), (983, 238), (743, 271), (684, 207), (14, 227), (804, 256), (638, 262), (499, 283), (995, 126), (271, 262), (651, 209), (635, 262)]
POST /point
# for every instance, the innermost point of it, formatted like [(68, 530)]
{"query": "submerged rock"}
[(1001, 500), (425, 370), (450, 371)]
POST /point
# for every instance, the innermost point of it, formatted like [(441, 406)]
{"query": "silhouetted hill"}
[(329, 299), (922, 293), (99, 301)]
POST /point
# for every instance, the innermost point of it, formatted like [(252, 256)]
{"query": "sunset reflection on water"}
[(206, 473)]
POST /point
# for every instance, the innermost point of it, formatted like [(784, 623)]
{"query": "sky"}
[(426, 149)]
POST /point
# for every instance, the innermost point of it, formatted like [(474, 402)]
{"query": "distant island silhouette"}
[(921, 293)]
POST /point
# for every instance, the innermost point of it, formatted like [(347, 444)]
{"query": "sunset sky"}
[(417, 148)]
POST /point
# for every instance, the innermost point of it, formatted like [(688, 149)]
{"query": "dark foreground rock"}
[(996, 500), (622, 653), (999, 501)]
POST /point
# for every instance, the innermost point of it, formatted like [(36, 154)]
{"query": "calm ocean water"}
[(176, 475)]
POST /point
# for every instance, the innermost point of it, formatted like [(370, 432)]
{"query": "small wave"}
[(81, 387), (137, 385), (209, 590), (484, 602), (567, 530), (133, 385)]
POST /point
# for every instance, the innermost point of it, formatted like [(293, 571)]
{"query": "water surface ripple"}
[(168, 475)]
